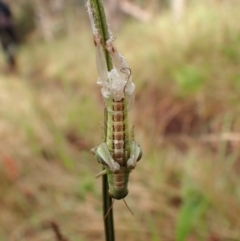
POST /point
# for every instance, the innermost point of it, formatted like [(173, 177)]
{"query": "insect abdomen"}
[(117, 131), (118, 144), (118, 183)]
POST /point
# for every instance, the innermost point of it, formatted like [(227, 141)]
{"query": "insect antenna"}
[(126, 71), (127, 206), (91, 17), (109, 209)]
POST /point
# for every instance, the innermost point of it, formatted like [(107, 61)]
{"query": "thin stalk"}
[(99, 24)]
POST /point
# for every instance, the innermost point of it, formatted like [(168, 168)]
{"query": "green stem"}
[(99, 18), (101, 25)]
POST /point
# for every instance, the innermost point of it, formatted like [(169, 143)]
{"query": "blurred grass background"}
[(186, 113)]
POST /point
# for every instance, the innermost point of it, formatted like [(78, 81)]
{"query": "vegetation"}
[(187, 121)]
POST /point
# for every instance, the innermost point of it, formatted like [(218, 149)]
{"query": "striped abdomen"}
[(117, 132), (118, 144), (118, 183)]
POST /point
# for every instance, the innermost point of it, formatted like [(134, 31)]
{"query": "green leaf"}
[(190, 213)]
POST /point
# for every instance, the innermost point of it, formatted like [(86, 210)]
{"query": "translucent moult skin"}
[(120, 153)]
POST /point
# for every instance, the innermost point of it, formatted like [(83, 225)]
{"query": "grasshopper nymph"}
[(120, 153)]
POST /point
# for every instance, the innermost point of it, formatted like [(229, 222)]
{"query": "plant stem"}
[(101, 25), (98, 21)]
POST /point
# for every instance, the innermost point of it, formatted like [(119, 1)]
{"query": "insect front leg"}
[(135, 155), (104, 157)]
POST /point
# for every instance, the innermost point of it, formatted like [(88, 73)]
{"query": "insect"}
[(120, 153)]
